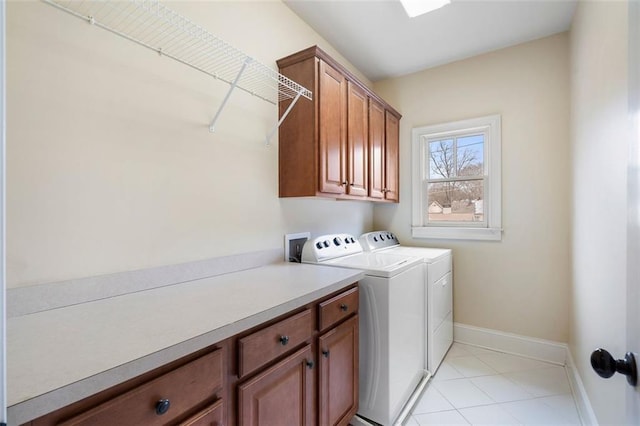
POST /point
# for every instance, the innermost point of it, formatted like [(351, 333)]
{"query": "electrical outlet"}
[(293, 246)]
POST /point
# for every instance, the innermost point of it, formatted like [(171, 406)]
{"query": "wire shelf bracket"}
[(151, 24)]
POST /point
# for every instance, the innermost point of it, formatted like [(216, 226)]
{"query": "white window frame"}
[(491, 228)]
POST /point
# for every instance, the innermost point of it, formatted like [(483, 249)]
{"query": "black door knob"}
[(606, 365)]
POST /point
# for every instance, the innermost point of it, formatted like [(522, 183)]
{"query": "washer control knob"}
[(326, 243), (337, 241)]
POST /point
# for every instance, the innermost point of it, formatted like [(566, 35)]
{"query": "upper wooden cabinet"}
[(344, 143)]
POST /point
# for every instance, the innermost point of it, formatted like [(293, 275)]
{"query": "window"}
[(456, 180)]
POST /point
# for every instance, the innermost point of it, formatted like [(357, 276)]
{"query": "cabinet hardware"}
[(284, 340), (325, 353), (162, 406), (309, 364)]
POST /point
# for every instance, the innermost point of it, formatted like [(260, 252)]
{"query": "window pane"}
[(470, 155), (460, 201), (441, 159)]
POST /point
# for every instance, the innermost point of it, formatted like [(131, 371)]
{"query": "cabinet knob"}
[(344, 307), (162, 406), (325, 353), (284, 340), (309, 364), (345, 183)]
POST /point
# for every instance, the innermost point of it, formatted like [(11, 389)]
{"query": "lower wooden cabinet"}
[(314, 383), (282, 395), (299, 369)]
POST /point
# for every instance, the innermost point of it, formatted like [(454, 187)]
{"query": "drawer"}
[(439, 268), (338, 308), (210, 416), (183, 388), (263, 346)]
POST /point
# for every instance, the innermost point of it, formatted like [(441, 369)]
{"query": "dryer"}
[(438, 286), (391, 370)]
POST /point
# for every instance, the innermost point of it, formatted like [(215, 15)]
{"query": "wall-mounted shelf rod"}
[(151, 24)]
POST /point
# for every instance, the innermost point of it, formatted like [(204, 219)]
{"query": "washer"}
[(438, 291), (391, 315)]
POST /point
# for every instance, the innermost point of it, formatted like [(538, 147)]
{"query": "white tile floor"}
[(482, 387)]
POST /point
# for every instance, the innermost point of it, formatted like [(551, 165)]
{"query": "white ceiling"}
[(382, 41)]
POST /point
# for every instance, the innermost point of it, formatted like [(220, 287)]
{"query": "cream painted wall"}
[(111, 166), (600, 132), (521, 284)]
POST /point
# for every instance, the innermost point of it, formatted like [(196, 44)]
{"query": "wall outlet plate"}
[(293, 246)]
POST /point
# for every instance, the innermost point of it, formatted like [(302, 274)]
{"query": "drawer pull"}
[(309, 364), (284, 340), (326, 353), (162, 406), (344, 307)]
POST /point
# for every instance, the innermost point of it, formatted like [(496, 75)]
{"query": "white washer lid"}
[(375, 263)]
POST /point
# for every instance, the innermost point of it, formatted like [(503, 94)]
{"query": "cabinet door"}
[(338, 387), (376, 150), (357, 136), (281, 395), (392, 160), (333, 129)]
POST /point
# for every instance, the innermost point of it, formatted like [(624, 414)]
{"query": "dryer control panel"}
[(372, 241)]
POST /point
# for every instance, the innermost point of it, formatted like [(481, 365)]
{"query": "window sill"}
[(457, 233)]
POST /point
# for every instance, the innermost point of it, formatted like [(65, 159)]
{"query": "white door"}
[(633, 225), (3, 364)]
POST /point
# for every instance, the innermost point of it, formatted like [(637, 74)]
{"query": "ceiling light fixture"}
[(420, 7)]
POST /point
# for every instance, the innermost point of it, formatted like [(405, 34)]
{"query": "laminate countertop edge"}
[(60, 356)]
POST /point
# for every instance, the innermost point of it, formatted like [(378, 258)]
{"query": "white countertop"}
[(62, 355)]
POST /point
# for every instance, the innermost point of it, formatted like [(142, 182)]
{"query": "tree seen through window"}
[(456, 178)]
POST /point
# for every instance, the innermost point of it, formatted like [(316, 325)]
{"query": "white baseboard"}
[(540, 349), (583, 404), (543, 350)]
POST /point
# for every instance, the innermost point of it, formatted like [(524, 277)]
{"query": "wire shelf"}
[(153, 25)]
